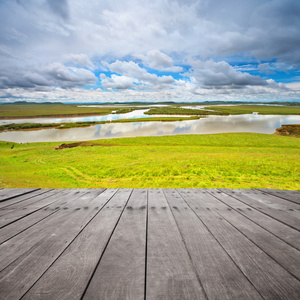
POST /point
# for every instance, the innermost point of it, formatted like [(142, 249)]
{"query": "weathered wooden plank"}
[(287, 256), (15, 228), (293, 196), (267, 276), (21, 274), (20, 210), (6, 204), (68, 277), (7, 194), (282, 231), (23, 206), (220, 277), (271, 201), (248, 198), (18, 245), (170, 273), (123, 262)]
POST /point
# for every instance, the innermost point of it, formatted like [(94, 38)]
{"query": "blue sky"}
[(158, 50)]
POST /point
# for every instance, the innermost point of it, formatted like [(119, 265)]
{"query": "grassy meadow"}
[(36, 110), (48, 110), (261, 109), (170, 110), (234, 160)]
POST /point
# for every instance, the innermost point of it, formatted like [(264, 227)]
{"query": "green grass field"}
[(171, 110), (47, 110), (261, 109), (234, 160), (56, 110)]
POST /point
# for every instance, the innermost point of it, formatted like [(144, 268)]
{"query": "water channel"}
[(212, 124)]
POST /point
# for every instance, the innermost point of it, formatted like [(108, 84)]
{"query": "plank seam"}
[(278, 196), (146, 249), (29, 226), (86, 288), (42, 192), (261, 211), (189, 255), (29, 213), (55, 192), (254, 221), (22, 218), (251, 241), (69, 244), (224, 250), (25, 193)]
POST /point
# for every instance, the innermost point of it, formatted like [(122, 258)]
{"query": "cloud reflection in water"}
[(209, 125)]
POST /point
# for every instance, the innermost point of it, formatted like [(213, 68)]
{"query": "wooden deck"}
[(149, 244)]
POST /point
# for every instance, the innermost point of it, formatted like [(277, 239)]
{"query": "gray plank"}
[(250, 199), (293, 196), (20, 210), (68, 277), (18, 245), (219, 275), (8, 203), (7, 194), (170, 273), (22, 273), (287, 256), (271, 201), (282, 231), (123, 262), (30, 203), (16, 228), (267, 276)]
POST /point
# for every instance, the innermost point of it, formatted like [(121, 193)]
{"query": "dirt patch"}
[(288, 130), (73, 145), (66, 146)]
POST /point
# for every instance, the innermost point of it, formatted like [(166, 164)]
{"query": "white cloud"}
[(294, 86), (155, 59), (59, 75), (133, 70), (183, 91), (52, 43), (219, 74), (81, 60), (117, 82)]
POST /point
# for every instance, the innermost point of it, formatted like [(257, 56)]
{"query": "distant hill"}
[(287, 103)]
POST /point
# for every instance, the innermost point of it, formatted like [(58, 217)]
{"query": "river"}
[(266, 124)]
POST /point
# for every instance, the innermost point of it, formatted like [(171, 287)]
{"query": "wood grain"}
[(149, 244), (71, 272), (270, 279), (170, 273), (123, 261), (251, 199), (6, 194), (220, 277), (9, 202), (293, 196)]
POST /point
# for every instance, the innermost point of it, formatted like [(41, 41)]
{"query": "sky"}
[(150, 50)]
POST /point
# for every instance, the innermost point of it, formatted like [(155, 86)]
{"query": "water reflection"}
[(131, 115), (110, 117), (209, 125)]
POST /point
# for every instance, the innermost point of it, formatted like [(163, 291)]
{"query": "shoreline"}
[(53, 116), (62, 126)]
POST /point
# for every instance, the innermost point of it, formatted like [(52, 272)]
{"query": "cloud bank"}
[(151, 50)]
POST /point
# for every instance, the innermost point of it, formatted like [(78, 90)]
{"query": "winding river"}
[(255, 123)]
